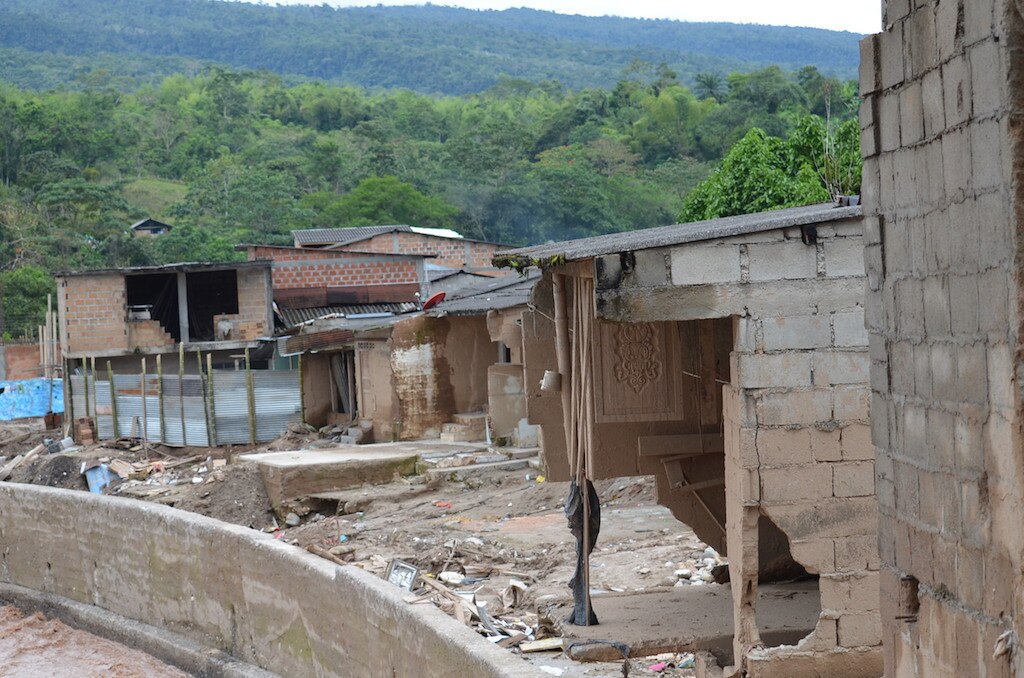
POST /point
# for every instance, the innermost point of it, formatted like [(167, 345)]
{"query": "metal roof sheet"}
[(296, 316), (678, 234)]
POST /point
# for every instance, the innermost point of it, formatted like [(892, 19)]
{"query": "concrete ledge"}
[(232, 589)]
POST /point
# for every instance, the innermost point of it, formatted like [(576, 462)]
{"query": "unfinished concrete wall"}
[(316, 388), (942, 145), (231, 588)]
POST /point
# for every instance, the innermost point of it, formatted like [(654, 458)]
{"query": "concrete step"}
[(519, 452), (460, 433), (463, 472)]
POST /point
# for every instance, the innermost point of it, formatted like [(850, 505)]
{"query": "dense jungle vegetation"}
[(431, 49), (229, 157)]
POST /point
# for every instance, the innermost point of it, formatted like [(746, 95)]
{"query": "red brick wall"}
[(92, 311), (451, 252), (296, 268), (253, 318), (22, 361)]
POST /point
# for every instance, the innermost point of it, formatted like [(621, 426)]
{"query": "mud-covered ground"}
[(33, 646)]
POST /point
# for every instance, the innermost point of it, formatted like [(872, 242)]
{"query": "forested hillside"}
[(424, 48), (228, 157)]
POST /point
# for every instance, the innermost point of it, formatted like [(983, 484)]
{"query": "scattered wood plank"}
[(541, 645), (6, 471), (323, 553), (16, 439)]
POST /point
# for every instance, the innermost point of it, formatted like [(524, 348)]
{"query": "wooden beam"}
[(701, 485), (685, 445)]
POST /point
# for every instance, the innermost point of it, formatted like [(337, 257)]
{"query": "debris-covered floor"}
[(493, 546)]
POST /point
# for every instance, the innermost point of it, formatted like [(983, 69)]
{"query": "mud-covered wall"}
[(231, 588), (439, 368)]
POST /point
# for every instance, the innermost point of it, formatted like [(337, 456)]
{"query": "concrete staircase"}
[(466, 427)]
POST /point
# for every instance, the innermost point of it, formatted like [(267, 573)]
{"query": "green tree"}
[(387, 200), (23, 295)]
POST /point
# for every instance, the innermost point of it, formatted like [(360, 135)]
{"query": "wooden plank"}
[(683, 445), (6, 471), (701, 485)]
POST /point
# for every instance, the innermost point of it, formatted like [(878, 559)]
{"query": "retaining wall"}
[(231, 588)]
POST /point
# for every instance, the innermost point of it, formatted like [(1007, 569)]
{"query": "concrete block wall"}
[(798, 452), (941, 141), (797, 435), (92, 316), (298, 268), (450, 252)]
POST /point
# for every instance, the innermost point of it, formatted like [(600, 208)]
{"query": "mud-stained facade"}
[(941, 116), (730, 361)]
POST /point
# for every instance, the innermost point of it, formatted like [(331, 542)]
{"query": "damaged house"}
[(410, 374), (177, 353), (728, 359)]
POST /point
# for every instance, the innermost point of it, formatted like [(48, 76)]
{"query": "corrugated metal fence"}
[(199, 410)]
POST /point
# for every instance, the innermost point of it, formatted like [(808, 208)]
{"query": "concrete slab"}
[(688, 619), (460, 473), (292, 475)]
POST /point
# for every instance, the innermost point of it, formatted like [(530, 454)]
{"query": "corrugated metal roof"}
[(296, 316), (343, 236), (664, 236), (495, 294)]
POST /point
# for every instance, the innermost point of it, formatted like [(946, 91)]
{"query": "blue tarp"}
[(29, 398)]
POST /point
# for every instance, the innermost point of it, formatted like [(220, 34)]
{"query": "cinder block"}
[(936, 307), (888, 122), (790, 260), (1000, 375), (890, 45), (919, 36), (869, 82), (986, 165), (703, 265), (792, 484), (856, 442), (850, 593), (977, 21), (859, 630), (848, 328), (841, 367), (853, 479), (850, 403), (957, 93), (911, 114), (773, 370), (817, 555), (826, 444), (795, 407), (988, 78), (992, 301), (796, 332), (946, 26), (856, 553), (844, 257), (784, 447)]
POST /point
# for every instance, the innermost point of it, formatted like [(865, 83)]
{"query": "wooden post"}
[(113, 399), (145, 417), (181, 390), (69, 400), (86, 390), (302, 394), (206, 404), (93, 361), (252, 398), (160, 395), (562, 355), (213, 401)]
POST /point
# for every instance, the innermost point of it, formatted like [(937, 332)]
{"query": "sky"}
[(859, 16)]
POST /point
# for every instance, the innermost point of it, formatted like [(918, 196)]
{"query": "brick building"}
[(446, 247), (156, 309), (942, 104), (729, 360)]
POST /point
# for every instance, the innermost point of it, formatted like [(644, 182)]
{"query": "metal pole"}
[(145, 416), (181, 391)]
